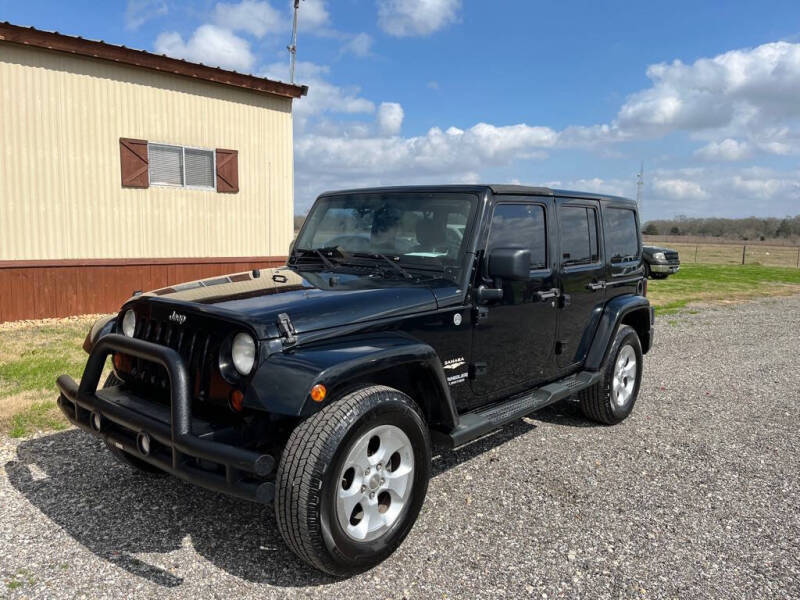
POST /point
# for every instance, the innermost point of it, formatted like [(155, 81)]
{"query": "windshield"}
[(423, 229)]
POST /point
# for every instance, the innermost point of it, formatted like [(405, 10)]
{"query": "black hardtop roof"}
[(499, 189)]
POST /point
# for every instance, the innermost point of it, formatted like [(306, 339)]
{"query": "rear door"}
[(581, 277)]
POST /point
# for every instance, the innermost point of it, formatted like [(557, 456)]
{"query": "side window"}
[(621, 236), (520, 226), (578, 229)]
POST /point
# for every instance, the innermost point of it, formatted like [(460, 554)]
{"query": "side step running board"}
[(475, 424)]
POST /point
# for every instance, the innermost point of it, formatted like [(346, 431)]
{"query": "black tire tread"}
[(309, 451), (596, 400)]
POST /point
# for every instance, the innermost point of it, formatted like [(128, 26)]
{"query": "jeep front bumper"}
[(177, 443)]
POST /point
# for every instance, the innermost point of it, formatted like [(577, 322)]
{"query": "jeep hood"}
[(313, 300)]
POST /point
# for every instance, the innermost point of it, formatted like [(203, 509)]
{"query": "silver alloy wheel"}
[(624, 376), (375, 482)]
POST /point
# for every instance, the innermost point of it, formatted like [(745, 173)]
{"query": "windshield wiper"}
[(323, 253), (385, 258)]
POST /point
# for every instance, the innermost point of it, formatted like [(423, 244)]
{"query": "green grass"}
[(31, 357), (39, 416), (720, 284)]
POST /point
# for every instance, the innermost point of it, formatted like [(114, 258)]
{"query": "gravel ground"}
[(694, 496)]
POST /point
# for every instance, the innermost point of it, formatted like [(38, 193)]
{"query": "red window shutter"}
[(133, 163), (227, 171)]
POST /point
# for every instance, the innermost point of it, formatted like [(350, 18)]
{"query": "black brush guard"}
[(183, 446)]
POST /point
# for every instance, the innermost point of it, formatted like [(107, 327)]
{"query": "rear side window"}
[(621, 236), (578, 227), (520, 226)]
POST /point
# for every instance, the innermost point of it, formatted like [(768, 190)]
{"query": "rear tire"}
[(612, 400), (122, 456), (352, 480)]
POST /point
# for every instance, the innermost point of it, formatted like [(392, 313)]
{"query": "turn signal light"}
[(318, 393), (237, 400), (122, 362)]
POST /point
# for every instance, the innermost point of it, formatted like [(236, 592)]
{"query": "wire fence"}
[(734, 254)]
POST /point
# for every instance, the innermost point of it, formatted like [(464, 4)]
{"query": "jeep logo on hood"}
[(177, 318)]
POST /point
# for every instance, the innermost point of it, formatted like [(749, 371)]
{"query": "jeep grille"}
[(197, 348)]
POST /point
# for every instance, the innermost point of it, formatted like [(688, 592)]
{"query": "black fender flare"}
[(613, 314), (283, 382), (101, 328)]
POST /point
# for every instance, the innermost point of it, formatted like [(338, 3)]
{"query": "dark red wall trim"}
[(37, 289)]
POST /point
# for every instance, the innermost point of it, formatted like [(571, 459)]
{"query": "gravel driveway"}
[(696, 495)]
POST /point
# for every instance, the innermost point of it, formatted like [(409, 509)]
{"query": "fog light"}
[(97, 421), (143, 443), (318, 393)]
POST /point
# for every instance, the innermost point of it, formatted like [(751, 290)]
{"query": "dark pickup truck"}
[(660, 263), (405, 317)]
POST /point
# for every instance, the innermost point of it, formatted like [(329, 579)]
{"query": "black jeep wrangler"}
[(404, 316)]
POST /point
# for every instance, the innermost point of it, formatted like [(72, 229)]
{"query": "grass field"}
[(731, 253), (33, 354), (719, 284)]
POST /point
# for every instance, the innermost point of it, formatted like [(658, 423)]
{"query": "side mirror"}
[(510, 263)]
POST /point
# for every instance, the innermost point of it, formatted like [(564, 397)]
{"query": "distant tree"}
[(298, 222), (650, 229), (674, 230), (784, 230)]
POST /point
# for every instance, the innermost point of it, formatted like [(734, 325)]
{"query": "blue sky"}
[(569, 94)]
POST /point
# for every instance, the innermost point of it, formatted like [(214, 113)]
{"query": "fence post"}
[(695, 254), (798, 258), (744, 249)]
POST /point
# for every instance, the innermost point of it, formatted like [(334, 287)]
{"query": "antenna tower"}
[(639, 185), (292, 47)]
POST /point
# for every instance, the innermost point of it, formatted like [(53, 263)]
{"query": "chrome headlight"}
[(129, 323), (243, 353), (659, 256)]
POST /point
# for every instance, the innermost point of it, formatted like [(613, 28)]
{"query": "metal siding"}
[(61, 118)]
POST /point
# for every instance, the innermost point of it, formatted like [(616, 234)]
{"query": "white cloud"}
[(739, 92), (404, 18), (358, 45), (390, 118), (434, 85), (251, 16), (210, 45), (323, 97), (138, 12), (679, 189), (727, 149), (436, 154), (612, 187), (312, 14)]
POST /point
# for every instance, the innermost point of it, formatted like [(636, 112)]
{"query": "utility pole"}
[(292, 47), (639, 186)]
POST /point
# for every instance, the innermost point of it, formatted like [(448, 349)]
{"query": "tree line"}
[(749, 228)]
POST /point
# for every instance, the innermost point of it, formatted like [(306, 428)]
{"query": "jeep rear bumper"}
[(186, 447)]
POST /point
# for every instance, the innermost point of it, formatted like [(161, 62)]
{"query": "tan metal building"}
[(123, 170)]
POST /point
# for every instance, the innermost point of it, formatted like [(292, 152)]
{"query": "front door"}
[(513, 342), (581, 276)]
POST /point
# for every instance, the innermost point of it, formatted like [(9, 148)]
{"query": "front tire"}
[(612, 400), (352, 479)]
